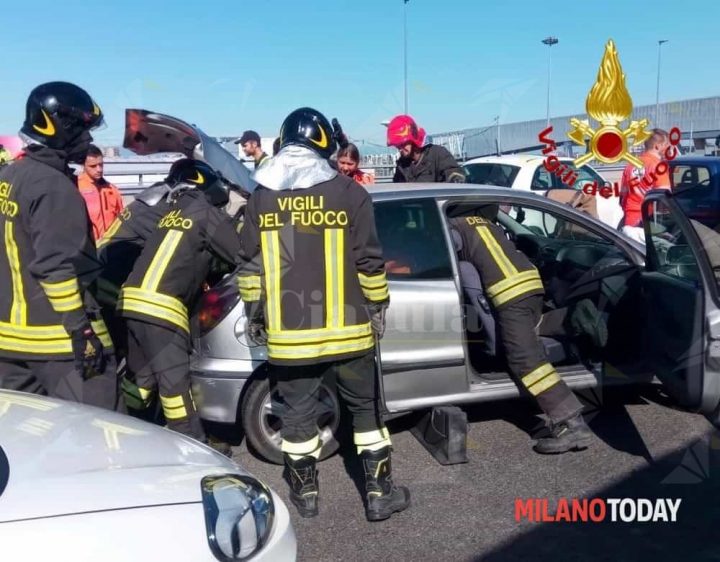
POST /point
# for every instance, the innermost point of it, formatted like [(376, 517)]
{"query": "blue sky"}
[(232, 65)]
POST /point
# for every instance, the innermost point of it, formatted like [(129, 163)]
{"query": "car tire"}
[(262, 426)]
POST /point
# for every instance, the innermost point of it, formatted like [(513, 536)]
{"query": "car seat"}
[(484, 321)]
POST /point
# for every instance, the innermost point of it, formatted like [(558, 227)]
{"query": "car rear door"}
[(422, 349), (680, 304)]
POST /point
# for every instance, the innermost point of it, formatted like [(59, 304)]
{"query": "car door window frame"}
[(653, 262)]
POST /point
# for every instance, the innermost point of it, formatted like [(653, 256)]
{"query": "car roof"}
[(705, 160), (514, 159)]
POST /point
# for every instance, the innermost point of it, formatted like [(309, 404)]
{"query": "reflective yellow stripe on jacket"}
[(146, 299), (374, 287), (44, 340), (64, 296), (514, 283), (335, 337), (18, 311)]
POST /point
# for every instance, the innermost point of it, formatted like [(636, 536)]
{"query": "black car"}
[(696, 187)]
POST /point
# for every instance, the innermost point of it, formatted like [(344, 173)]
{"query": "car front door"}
[(422, 349), (681, 304)]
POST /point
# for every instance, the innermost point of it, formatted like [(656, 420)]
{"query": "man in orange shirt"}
[(637, 182), (103, 199)]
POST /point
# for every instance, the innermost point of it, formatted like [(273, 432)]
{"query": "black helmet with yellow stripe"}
[(187, 172), (310, 128), (58, 113)]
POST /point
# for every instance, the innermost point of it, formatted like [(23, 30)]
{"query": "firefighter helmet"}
[(58, 113), (309, 128), (198, 174), (402, 130)]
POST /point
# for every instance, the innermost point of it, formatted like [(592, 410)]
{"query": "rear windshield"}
[(502, 175), (685, 176)]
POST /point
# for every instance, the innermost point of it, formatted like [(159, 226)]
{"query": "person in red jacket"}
[(103, 200), (348, 161), (637, 182)]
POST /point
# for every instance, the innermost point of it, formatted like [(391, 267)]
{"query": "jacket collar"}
[(56, 159)]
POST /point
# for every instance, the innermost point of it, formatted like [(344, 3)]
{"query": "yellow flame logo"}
[(609, 103)]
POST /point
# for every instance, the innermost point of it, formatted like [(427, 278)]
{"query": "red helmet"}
[(402, 130)]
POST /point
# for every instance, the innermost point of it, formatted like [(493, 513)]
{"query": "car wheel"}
[(262, 425)]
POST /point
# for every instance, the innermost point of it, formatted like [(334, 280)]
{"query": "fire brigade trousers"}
[(297, 393), (60, 379), (527, 362), (159, 358)]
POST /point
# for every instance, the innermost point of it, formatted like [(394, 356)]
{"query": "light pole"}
[(549, 41), (405, 74), (657, 91)]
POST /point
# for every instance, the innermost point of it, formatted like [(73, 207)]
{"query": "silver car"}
[(84, 484), (439, 346)]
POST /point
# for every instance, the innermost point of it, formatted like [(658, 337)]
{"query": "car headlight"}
[(239, 514)]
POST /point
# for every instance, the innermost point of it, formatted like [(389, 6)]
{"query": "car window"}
[(488, 173), (542, 179), (413, 240), (673, 255), (550, 225), (688, 175)]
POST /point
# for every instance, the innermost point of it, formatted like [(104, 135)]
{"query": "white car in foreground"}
[(79, 483), (526, 171)]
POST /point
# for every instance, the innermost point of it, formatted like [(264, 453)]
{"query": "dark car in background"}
[(696, 187)]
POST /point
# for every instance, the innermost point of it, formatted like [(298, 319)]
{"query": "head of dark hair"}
[(351, 151), (658, 136), (276, 146), (94, 151)]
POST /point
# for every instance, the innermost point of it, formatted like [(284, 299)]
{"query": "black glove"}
[(377, 318), (340, 137), (256, 324), (88, 351)]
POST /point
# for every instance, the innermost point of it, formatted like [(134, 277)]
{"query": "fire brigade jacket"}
[(167, 277), (122, 245), (506, 273), (312, 257), (436, 164), (47, 261)]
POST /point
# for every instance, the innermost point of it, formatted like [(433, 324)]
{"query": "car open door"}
[(681, 304)]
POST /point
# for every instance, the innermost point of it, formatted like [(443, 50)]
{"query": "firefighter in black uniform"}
[(121, 246), (52, 339), (418, 163), (163, 286), (312, 277), (514, 288)]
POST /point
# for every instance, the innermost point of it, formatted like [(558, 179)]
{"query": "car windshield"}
[(488, 173)]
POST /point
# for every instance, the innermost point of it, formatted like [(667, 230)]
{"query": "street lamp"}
[(657, 91), (549, 41), (405, 66)]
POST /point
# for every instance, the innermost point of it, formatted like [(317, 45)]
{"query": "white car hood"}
[(69, 458)]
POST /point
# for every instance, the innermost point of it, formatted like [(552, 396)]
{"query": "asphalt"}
[(644, 449)]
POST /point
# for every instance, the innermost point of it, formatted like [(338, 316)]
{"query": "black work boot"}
[(304, 487), (383, 497), (569, 435)]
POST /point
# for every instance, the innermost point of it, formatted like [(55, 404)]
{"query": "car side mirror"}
[(680, 255)]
